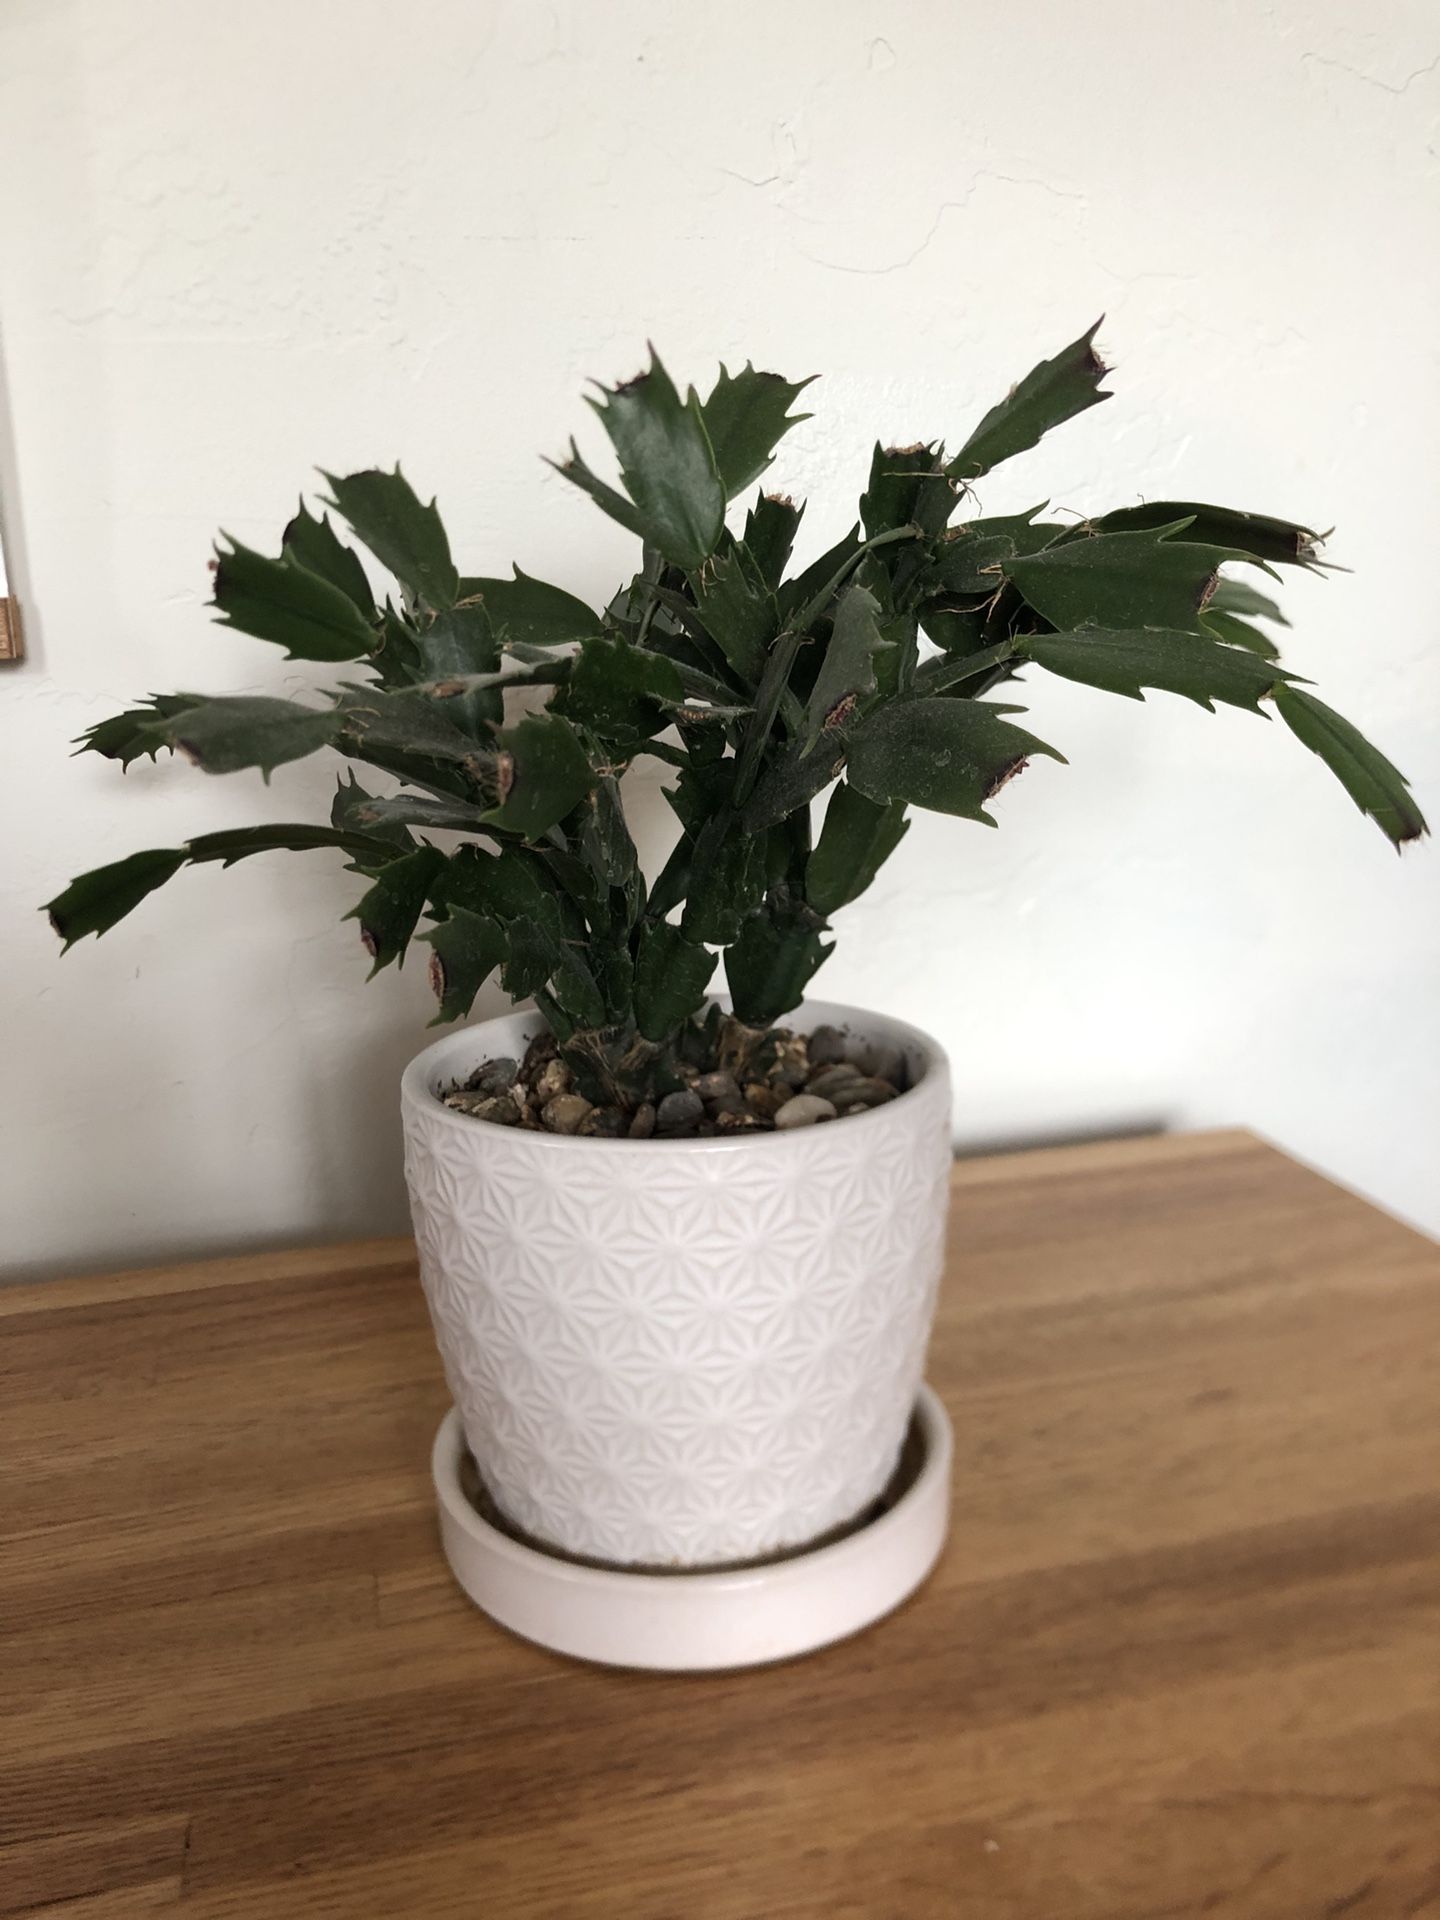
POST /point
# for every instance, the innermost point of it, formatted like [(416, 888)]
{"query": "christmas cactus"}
[(506, 711)]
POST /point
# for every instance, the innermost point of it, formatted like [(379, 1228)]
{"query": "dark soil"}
[(746, 1080)]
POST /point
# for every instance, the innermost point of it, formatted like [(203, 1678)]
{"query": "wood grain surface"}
[(1182, 1656)]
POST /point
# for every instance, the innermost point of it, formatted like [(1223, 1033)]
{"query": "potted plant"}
[(681, 1253)]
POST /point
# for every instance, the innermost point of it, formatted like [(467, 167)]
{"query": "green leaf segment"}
[(866, 672)]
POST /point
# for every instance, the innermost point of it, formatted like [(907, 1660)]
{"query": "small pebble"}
[(555, 1079), (642, 1122), (678, 1112), (465, 1100), (738, 1120), (791, 1063), (764, 1100), (602, 1123), (868, 1093), (803, 1111), (540, 1049), (831, 1081), (716, 1086), (827, 1046), (563, 1112), (496, 1076), (881, 1062)]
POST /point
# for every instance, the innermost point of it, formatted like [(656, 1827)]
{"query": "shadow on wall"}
[(1142, 1126), (355, 1165), (354, 1170), (356, 1162)]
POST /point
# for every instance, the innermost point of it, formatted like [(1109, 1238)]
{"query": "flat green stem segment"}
[(1053, 392), (1376, 786)]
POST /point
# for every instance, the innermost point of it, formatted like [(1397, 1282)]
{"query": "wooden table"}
[(1182, 1656)]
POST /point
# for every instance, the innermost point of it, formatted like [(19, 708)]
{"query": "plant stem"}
[(781, 658)]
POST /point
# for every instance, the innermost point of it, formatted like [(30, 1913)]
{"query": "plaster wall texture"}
[(233, 246)]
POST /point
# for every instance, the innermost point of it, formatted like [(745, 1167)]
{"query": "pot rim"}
[(418, 1081)]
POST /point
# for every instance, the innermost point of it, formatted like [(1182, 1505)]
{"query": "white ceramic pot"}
[(688, 1352)]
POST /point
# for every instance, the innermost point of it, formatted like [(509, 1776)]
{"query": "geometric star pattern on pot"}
[(684, 1352)]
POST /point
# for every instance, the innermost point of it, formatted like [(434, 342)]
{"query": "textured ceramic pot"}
[(686, 1352)]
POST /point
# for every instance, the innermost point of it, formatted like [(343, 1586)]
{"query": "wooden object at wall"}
[(12, 634), (12, 637), (1182, 1655)]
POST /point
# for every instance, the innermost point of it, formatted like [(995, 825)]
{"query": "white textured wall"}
[(237, 242)]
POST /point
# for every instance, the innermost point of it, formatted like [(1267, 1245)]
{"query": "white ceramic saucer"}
[(690, 1622)]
